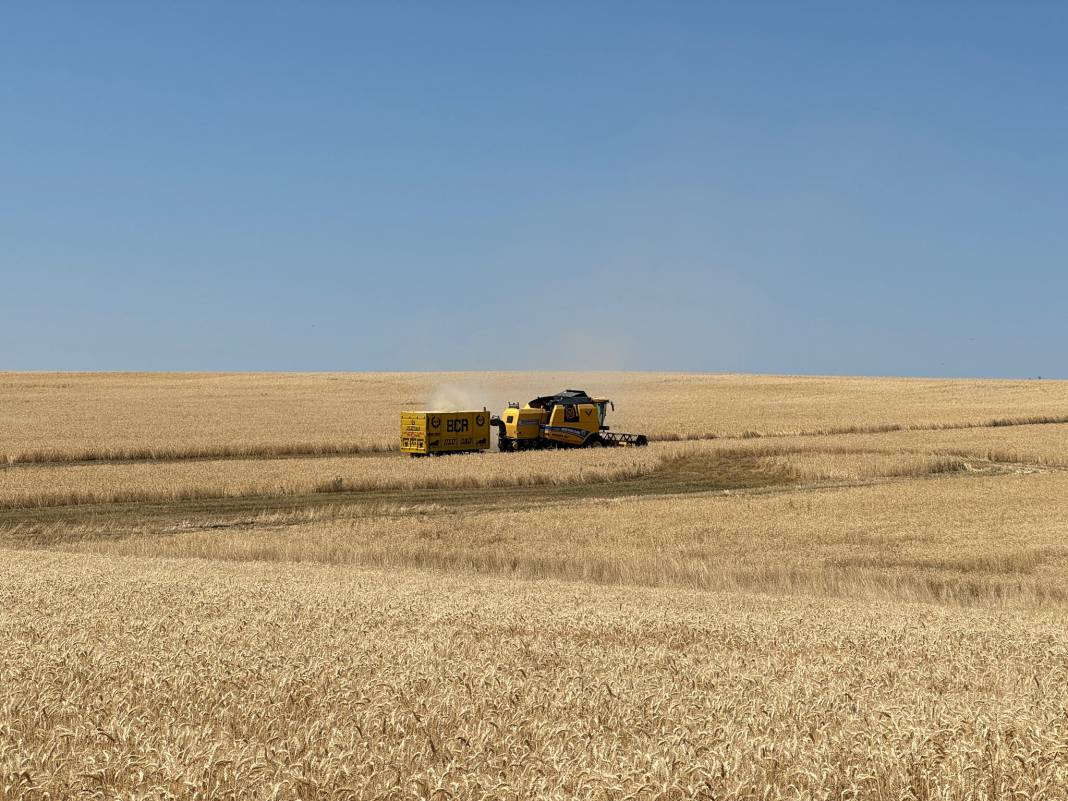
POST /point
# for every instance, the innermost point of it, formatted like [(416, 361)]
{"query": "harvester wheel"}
[(594, 441), (505, 444)]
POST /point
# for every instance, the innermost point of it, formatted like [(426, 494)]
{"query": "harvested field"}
[(836, 588)]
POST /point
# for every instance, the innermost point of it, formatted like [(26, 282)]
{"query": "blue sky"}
[(757, 187)]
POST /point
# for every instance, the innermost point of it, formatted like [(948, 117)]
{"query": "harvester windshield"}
[(565, 398)]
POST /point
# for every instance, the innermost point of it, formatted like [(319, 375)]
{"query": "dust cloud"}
[(457, 397), (468, 397)]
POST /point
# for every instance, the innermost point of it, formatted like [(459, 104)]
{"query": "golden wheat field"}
[(86, 416), (234, 587)]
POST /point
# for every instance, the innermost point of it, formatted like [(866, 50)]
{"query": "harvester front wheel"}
[(594, 441), (505, 444)]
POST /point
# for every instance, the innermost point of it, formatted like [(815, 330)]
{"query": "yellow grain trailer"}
[(423, 433)]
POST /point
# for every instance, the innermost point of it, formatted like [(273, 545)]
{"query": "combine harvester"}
[(568, 419)]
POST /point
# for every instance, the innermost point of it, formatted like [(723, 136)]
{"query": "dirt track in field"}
[(683, 476)]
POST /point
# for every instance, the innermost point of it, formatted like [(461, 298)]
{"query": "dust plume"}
[(468, 396), (451, 397)]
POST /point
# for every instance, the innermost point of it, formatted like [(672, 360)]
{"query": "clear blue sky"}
[(759, 187)]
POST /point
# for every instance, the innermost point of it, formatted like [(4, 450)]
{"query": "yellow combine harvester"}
[(568, 419)]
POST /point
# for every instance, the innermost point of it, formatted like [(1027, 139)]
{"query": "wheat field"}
[(233, 587), (83, 417), (59, 484)]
